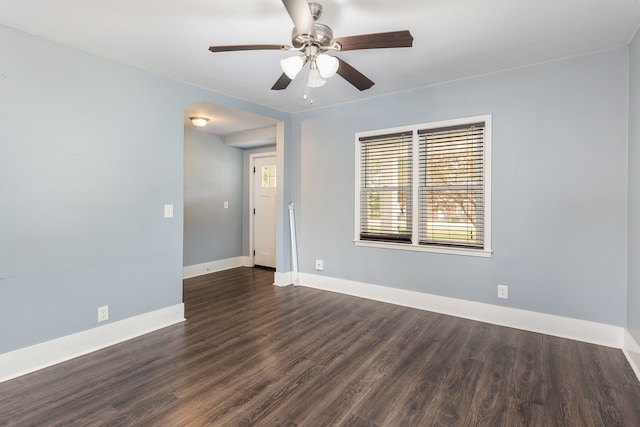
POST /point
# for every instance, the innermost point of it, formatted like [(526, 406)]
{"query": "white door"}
[(264, 203)]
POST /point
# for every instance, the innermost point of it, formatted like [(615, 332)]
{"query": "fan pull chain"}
[(307, 90)]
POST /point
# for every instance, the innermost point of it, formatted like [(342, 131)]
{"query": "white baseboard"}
[(195, 270), (283, 279), (565, 327), (29, 359), (632, 351)]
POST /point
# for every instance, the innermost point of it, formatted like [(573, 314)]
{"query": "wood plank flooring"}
[(251, 354)]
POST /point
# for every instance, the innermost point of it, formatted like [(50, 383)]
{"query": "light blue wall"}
[(633, 297), (213, 175), (90, 151), (558, 196), (83, 182)]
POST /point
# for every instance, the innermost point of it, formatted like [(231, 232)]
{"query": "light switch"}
[(226, 204), (168, 211)]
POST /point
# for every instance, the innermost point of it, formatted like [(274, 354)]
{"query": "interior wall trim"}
[(29, 359), (564, 327), (196, 270), (631, 350), (283, 279)]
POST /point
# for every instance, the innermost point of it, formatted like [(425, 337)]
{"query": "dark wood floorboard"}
[(251, 354)]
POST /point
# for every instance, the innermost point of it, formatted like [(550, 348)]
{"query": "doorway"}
[(218, 228), (263, 207)]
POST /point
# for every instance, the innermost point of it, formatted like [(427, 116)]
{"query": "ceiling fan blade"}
[(237, 47), (282, 82), (375, 41), (300, 14), (353, 76)]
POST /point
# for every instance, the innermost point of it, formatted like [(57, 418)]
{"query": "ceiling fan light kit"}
[(315, 79), (313, 39), (327, 65), (292, 66)]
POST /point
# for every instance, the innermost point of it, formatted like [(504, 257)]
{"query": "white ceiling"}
[(229, 122), (453, 39)]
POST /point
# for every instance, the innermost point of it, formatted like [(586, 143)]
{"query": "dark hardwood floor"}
[(254, 354)]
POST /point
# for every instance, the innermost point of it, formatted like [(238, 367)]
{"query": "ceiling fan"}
[(313, 39)]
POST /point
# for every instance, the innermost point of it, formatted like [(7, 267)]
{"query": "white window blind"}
[(426, 187), (386, 187), (452, 186)]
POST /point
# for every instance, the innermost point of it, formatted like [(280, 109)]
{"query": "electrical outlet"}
[(319, 265), (103, 313), (503, 291)]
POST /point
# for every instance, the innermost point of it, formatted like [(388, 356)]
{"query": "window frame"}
[(414, 244)]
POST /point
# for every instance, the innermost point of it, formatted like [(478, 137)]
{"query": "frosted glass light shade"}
[(199, 121), (327, 65), (315, 79), (292, 66)]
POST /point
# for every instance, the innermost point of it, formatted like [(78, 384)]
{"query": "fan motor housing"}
[(323, 37)]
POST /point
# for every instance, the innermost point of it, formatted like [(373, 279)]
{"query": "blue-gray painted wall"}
[(213, 174), (90, 151), (559, 193), (633, 295), (83, 182)]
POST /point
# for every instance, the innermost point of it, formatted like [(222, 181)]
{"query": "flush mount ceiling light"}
[(312, 39), (199, 121)]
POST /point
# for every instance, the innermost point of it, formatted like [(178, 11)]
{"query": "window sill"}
[(483, 253)]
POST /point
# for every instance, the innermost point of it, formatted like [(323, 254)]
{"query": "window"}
[(268, 174), (441, 168), (385, 194)]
